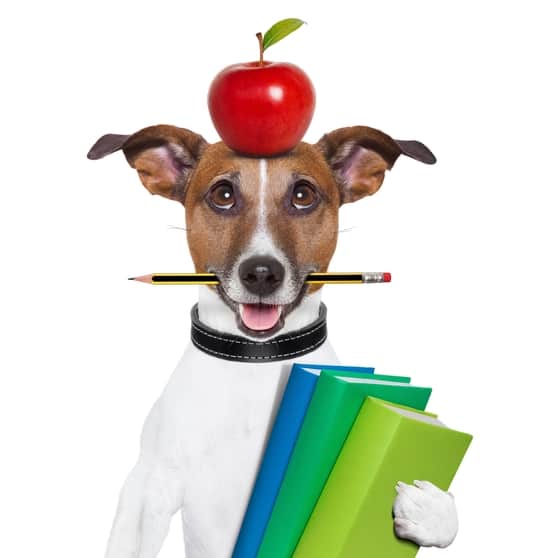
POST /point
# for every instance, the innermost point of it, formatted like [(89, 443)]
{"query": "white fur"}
[(200, 451), (262, 187), (425, 514), (262, 244)]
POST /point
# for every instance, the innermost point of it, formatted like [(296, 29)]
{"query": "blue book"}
[(282, 440)]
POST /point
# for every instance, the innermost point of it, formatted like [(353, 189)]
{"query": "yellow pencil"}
[(328, 278)]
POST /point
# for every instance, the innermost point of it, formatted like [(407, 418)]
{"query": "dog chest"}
[(221, 413)]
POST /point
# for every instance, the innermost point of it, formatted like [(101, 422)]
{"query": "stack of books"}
[(342, 438)]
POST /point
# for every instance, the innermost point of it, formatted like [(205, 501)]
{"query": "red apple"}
[(261, 108)]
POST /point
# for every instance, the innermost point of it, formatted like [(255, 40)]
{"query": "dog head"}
[(261, 224)]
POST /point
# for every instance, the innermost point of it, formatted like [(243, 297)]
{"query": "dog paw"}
[(424, 514)]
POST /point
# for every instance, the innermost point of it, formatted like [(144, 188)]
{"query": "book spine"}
[(306, 473), (294, 404)]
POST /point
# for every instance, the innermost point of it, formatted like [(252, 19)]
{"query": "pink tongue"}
[(259, 316)]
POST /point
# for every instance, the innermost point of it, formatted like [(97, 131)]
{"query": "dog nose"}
[(261, 275)]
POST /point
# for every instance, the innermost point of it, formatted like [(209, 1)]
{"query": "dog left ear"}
[(359, 157), (164, 156)]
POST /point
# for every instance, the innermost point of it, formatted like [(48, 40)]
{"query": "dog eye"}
[(304, 196), (221, 196)]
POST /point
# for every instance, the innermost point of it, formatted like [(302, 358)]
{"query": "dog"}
[(261, 225)]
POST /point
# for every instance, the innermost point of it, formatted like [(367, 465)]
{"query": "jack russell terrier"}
[(261, 225)]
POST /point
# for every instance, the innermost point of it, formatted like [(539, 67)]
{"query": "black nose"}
[(261, 275)]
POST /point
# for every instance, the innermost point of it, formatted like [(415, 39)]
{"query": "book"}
[(328, 420), (387, 444), (296, 398)]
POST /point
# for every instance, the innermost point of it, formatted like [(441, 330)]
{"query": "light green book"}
[(387, 443), (330, 415)]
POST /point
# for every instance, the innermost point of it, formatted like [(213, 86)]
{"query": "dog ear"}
[(359, 157), (164, 157)]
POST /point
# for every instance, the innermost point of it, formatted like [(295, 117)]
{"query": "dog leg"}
[(425, 514), (152, 494)]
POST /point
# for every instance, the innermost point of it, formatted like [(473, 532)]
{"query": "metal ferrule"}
[(372, 277)]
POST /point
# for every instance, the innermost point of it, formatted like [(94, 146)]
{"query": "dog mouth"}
[(260, 319)]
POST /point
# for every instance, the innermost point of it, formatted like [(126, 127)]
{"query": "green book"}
[(388, 443), (330, 415)]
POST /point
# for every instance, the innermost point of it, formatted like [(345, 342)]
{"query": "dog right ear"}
[(359, 157), (164, 157)]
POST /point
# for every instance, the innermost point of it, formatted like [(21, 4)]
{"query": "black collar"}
[(242, 349)]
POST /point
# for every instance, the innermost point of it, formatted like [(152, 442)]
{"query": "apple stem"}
[(260, 40)]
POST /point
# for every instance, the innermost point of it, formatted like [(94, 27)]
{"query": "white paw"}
[(424, 514)]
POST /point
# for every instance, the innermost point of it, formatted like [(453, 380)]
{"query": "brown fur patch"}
[(307, 239), (216, 240)]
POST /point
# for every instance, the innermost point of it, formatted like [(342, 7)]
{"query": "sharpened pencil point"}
[(142, 278)]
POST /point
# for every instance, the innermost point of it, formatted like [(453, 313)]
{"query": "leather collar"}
[(241, 349)]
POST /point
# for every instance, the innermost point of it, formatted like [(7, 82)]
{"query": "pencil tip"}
[(142, 278)]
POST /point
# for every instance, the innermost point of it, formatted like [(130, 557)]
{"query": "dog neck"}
[(214, 313)]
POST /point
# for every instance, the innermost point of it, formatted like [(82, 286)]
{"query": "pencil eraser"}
[(387, 277)]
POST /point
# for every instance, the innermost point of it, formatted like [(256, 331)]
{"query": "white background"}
[(470, 241)]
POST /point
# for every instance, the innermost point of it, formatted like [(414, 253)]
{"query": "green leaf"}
[(280, 30)]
